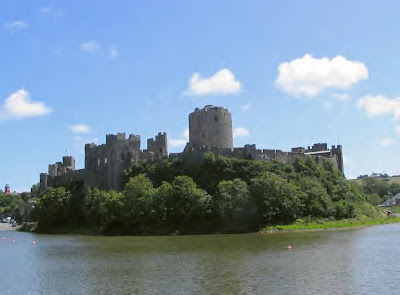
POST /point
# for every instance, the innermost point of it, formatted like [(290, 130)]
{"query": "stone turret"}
[(211, 126), (158, 146), (43, 182)]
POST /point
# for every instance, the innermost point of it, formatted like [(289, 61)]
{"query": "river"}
[(357, 261)]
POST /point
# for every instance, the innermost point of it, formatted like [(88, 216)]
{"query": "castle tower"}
[(7, 189), (43, 182), (211, 126)]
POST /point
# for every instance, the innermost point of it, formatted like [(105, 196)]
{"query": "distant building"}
[(394, 201), (7, 189)]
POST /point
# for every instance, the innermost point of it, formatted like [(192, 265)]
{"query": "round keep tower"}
[(210, 126)]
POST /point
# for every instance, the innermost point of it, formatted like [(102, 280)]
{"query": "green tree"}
[(231, 202), (136, 202), (50, 209), (111, 211), (277, 200), (394, 188), (92, 206), (186, 205)]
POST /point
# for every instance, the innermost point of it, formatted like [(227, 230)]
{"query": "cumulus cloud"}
[(80, 128), (246, 107), (241, 132), (91, 45), (17, 25), (177, 142), (310, 76), (380, 105), (222, 82), (386, 141), (114, 51), (19, 106)]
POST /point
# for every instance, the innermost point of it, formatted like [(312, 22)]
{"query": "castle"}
[(210, 130)]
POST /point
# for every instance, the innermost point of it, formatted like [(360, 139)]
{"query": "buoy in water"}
[(3, 239), (33, 243), (289, 247), (13, 241)]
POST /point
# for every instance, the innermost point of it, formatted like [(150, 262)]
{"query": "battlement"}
[(317, 147), (210, 130), (133, 137), (212, 108), (89, 146), (110, 138), (298, 150)]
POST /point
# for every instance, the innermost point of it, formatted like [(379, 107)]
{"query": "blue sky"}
[(292, 73)]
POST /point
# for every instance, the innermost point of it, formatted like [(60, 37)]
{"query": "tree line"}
[(218, 195), (378, 190)]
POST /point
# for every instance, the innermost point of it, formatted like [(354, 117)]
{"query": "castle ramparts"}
[(210, 130)]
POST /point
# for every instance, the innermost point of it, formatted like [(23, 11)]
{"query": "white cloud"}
[(398, 129), (17, 25), (185, 133), (386, 141), (246, 107), (19, 105), (114, 51), (91, 45), (222, 82), (380, 105), (241, 132), (45, 9), (80, 128), (310, 76), (177, 142)]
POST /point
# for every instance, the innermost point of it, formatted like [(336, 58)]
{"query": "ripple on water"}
[(328, 262)]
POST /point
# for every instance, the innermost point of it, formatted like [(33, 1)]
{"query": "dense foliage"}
[(9, 204), (378, 190), (218, 195)]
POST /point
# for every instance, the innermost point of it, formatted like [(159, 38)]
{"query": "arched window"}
[(216, 119), (203, 135)]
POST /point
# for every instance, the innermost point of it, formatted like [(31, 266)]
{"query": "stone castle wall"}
[(210, 126), (210, 130), (105, 164)]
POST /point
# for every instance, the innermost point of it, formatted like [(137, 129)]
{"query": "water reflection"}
[(328, 262)]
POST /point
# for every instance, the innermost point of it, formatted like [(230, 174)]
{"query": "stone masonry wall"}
[(210, 126)]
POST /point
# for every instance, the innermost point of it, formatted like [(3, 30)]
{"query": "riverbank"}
[(329, 225), (6, 227), (299, 226)]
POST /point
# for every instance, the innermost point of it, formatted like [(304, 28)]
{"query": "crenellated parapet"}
[(210, 130)]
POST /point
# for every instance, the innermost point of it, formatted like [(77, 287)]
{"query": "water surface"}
[(358, 261)]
